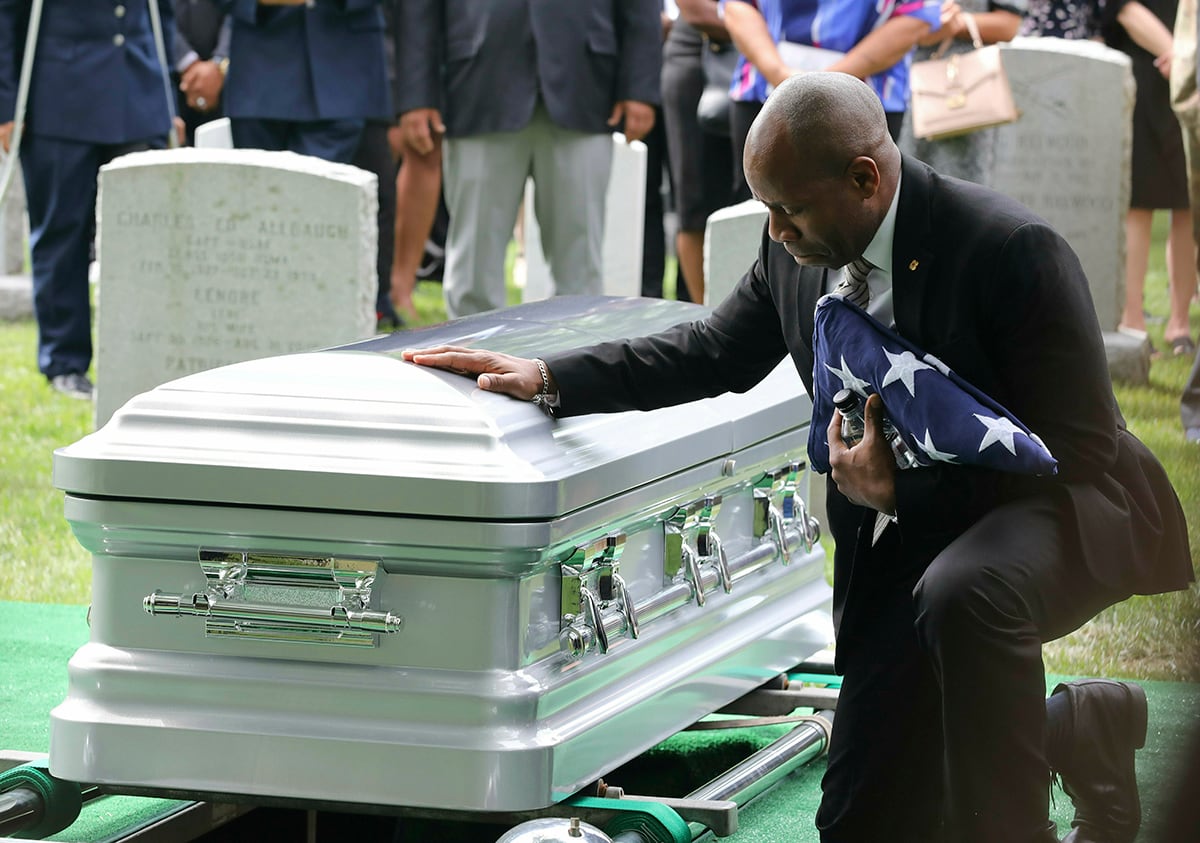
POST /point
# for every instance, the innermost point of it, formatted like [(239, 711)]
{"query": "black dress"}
[(1159, 176)]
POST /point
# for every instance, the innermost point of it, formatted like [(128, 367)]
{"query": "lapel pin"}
[(913, 265)]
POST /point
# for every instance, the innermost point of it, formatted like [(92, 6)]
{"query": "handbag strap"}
[(972, 28)]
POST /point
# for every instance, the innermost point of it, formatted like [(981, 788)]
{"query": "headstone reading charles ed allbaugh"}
[(211, 256)]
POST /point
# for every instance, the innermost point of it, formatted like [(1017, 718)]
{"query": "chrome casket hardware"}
[(596, 604), (587, 620), (777, 507), (594, 596), (317, 600), (691, 544), (708, 543)]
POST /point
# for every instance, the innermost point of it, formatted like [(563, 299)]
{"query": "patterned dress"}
[(834, 25), (1070, 19)]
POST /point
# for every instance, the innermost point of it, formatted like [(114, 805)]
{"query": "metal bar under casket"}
[(762, 770)]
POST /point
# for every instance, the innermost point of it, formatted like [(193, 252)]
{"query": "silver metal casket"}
[(337, 576)]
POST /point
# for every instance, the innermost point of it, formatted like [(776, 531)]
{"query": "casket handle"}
[(627, 606), (721, 561), (299, 618), (775, 517), (810, 527), (778, 505), (691, 566), (579, 630), (594, 618), (331, 599), (591, 585)]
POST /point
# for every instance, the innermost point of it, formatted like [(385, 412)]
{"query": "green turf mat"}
[(111, 818), (36, 641)]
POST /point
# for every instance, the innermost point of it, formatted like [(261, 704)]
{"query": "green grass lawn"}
[(1144, 637)]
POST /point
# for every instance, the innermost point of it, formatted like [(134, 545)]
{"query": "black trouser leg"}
[(942, 712), (984, 606)]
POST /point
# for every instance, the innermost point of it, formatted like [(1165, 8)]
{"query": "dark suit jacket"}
[(989, 288), (483, 63), (305, 63), (96, 76), (200, 27)]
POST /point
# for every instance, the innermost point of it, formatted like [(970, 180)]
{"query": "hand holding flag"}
[(939, 415)]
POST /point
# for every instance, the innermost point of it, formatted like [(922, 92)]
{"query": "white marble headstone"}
[(211, 256), (215, 134), (624, 216), (731, 239), (1068, 156), (13, 236)]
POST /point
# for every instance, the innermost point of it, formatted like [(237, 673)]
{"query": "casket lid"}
[(354, 428)]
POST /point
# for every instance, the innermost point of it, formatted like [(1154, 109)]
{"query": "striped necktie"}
[(854, 285)]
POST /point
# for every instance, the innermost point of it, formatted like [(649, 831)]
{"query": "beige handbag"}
[(962, 93)]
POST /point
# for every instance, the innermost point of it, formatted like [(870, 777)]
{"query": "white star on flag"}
[(904, 366), (849, 379), (998, 430), (932, 452)]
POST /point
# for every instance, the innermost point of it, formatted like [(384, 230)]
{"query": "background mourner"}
[(526, 89), (700, 156), (378, 151), (200, 61), (1159, 178), (1185, 100), (96, 90), (305, 76)]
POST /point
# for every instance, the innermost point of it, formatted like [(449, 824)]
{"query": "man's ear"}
[(864, 172)]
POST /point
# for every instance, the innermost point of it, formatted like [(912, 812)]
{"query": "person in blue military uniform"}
[(306, 76), (96, 91)]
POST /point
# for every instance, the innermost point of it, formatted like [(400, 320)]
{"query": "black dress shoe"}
[(73, 385), (1108, 725)]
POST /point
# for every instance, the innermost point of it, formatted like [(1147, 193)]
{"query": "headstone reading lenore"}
[(1067, 156), (210, 256)]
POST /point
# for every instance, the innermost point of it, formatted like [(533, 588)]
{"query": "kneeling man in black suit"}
[(943, 731)]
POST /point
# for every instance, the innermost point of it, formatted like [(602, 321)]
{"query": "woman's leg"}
[(418, 190), (1137, 253), (1181, 274)]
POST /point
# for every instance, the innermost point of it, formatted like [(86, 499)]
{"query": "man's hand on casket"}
[(865, 474), (519, 377)]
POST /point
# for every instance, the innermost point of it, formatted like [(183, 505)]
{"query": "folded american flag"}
[(941, 416)]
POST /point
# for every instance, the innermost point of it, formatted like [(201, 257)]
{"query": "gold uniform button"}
[(118, 39), (119, 11)]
